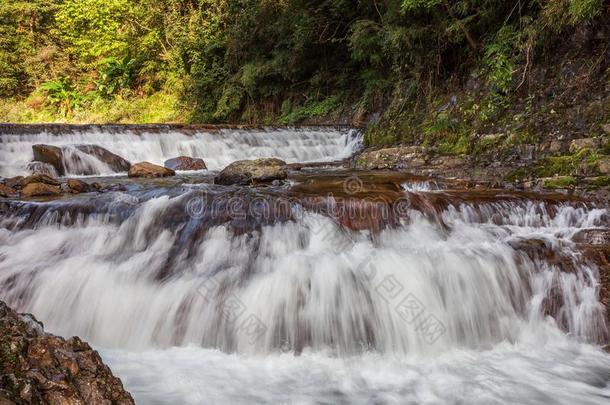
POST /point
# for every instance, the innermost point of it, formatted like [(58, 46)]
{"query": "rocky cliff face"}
[(39, 368)]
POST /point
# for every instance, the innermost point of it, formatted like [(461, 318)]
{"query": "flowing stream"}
[(218, 148), (419, 293)]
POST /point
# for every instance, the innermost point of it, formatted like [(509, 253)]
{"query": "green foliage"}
[(500, 58), (286, 61), (62, 94), (560, 182), (311, 109), (93, 28), (116, 75)]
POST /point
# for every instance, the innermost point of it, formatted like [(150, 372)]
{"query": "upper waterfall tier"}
[(218, 147)]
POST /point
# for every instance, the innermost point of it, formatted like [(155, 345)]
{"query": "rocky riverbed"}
[(288, 278), (40, 368)]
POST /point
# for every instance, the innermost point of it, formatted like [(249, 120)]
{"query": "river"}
[(333, 287)]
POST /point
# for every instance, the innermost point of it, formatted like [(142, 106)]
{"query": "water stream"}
[(289, 294)]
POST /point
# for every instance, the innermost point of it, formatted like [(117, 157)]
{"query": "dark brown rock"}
[(112, 160), (185, 163), (39, 368), (39, 178), (39, 189), (7, 192), (78, 186), (52, 155), (148, 170), (247, 172), (55, 156), (14, 182)]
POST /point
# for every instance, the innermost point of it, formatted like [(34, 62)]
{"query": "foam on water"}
[(552, 372), (217, 149)]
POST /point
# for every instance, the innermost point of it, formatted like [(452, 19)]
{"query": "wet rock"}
[(112, 160), (603, 165), (148, 170), (42, 167), (447, 162), (39, 189), (584, 143), (555, 147), (185, 163), (248, 172), (39, 368), (52, 155), (592, 237), (7, 192), (39, 178), (14, 182), (55, 156), (391, 158), (78, 186)]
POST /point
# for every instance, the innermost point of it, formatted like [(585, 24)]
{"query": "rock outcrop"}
[(249, 172), (401, 157), (76, 186), (185, 163), (149, 170), (50, 154), (112, 160), (56, 157), (39, 190), (39, 368)]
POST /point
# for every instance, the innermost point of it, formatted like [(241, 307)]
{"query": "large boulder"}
[(39, 190), (112, 160), (247, 172), (148, 170), (185, 163), (62, 158), (50, 154), (39, 368)]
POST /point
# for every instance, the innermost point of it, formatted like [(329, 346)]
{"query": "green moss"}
[(459, 145), (519, 174), (568, 164), (599, 182), (560, 182)]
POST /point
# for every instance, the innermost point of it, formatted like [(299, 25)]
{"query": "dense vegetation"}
[(273, 61)]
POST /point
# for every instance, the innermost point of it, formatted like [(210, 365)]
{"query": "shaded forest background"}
[(406, 67)]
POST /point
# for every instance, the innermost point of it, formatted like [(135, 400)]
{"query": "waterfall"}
[(217, 148), (334, 287), (303, 283)]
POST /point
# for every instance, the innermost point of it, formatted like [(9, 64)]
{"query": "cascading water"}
[(218, 148), (196, 293)]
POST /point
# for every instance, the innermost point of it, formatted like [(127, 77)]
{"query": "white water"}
[(352, 304), (217, 149)]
